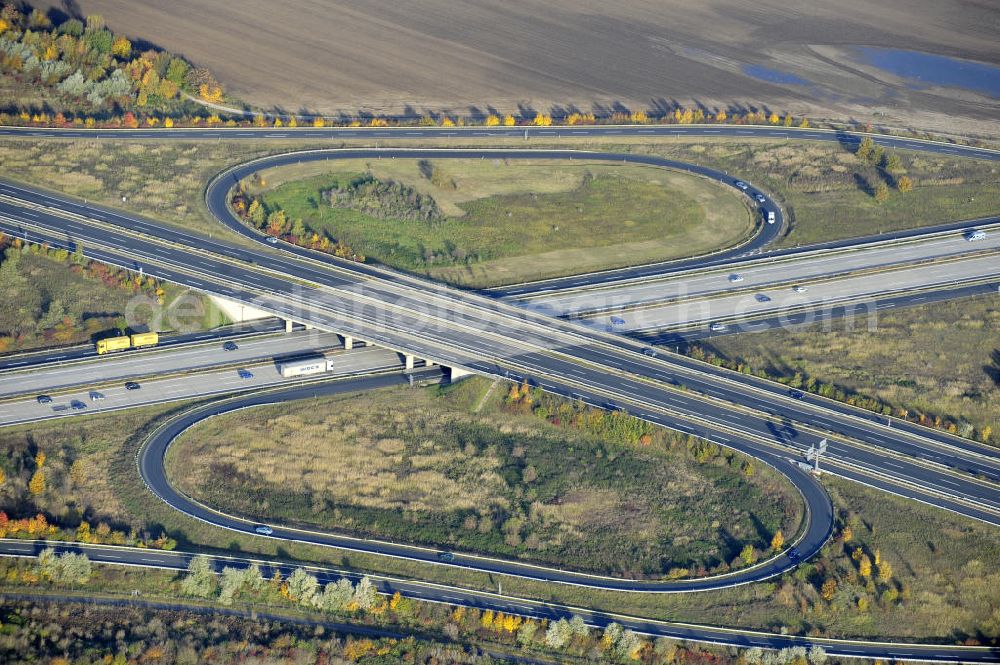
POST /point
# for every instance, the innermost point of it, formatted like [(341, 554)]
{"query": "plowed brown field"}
[(460, 56)]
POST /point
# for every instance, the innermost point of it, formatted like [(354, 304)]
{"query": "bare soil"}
[(526, 55)]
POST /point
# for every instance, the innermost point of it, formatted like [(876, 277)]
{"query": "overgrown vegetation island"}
[(488, 222), (495, 469)]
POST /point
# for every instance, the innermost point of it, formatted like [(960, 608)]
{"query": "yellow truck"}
[(136, 341), (113, 344), (145, 339)]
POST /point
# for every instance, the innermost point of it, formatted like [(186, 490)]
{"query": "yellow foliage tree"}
[(122, 48), (487, 619), (37, 483), (3, 26), (828, 589), (773, 118), (3, 477), (292, 122), (884, 572), (804, 123), (319, 122), (865, 566), (168, 123), (847, 534), (788, 120), (395, 600), (640, 117), (721, 116), (904, 184), (509, 120), (492, 120), (777, 541), (40, 459), (542, 120), (447, 122), (278, 123)]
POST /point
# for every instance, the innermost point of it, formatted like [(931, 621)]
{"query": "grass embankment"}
[(164, 180), (828, 191), (508, 221), (415, 466), (939, 360), (824, 188), (50, 302), (949, 564)]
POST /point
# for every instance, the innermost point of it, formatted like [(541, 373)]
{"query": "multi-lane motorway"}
[(486, 336)]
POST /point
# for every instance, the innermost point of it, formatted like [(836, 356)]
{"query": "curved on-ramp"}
[(151, 462)]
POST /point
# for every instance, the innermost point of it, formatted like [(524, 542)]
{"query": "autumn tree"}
[(828, 589), (865, 149), (777, 541), (492, 120), (893, 163), (773, 118), (509, 120), (865, 566), (542, 120), (37, 483), (121, 48), (881, 192), (748, 554), (904, 184), (884, 572)]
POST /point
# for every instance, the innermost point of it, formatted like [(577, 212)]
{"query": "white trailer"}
[(304, 366)]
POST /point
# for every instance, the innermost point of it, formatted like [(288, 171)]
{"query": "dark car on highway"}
[(44, 399), (132, 385), (77, 405), (230, 346), (447, 557), (762, 298)]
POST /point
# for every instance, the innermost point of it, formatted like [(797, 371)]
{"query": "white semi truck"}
[(305, 366)]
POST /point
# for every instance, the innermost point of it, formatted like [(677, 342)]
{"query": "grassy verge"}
[(937, 360), (57, 302), (507, 221), (952, 585), (829, 192), (824, 188), (418, 466)]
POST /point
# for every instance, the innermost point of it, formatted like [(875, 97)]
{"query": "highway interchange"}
[(487, 336)]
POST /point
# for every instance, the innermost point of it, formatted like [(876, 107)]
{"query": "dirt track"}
[(387, 57)]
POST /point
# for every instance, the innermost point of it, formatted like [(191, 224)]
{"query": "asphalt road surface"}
[(749, 302), (235, 332), (459, 329), (802, 268), (117, 367), (99, 399), (178, 561), (489, 339), (819, 523)]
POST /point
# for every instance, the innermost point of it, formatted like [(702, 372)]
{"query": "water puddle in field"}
[(770, 75), (926, 69)]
